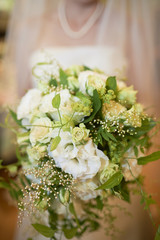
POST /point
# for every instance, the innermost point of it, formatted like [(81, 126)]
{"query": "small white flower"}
[(29, 103)]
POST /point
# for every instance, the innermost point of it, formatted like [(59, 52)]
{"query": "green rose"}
[(37, 152), (73, 83), (133, 117), (127, 96), (95, 82), (80, 133), (112, 110), (108, 172)]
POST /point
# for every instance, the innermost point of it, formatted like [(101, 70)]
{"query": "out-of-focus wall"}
[(5, 11)]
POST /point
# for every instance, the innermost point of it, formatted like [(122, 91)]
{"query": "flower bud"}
[(64, 196)]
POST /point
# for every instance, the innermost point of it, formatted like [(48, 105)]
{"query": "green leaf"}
[(111, 83), (5, 185), (70, 233), (147, 125), (157, 237), (135, 151), (112, 181), (53, 82), (56, 101), (14, 116), (55, 142), (106, 135), (63, 77), (99, 203), (150, 158), (73, 212), (96, 106), (44, 230), (86, 68)]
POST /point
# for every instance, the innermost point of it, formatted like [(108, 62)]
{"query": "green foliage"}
[(113, 181), (70, 233), (111, 84), (56, 101), (157, 237), (14, 117), (150, 158), (106, 135), (147, 125), (44, 230), (73, 212), (86, 68), (63, 77), (53, 82), (55, 142), (96, 106)]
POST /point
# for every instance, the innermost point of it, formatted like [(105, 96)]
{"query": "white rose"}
[(89, 81), (65, 106), (82, 161), (44, 66), (29, 103), (87, 190), (41, 131), (130, 168)]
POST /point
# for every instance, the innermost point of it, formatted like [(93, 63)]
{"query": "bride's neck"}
[(78, 11)]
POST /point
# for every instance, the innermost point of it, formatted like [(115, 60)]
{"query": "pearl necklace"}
[(85, 28)]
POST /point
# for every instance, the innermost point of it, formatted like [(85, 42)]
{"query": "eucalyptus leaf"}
[(56, 101), (70, 233), (111, 83), (150, 158), (63, 77), (96, 106), (44, 230), (112, 181), (55, 143)]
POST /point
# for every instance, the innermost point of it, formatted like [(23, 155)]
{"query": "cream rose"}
[(112, 110), (41, 131), (89, 80), (87, 190)]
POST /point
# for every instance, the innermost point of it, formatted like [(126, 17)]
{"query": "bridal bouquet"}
[(81, 140)]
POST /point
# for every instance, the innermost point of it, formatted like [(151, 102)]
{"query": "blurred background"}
[(8, 213)]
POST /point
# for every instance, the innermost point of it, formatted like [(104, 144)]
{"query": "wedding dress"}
[(110, 60)]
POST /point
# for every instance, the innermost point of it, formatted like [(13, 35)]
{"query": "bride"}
[(115, 36)]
